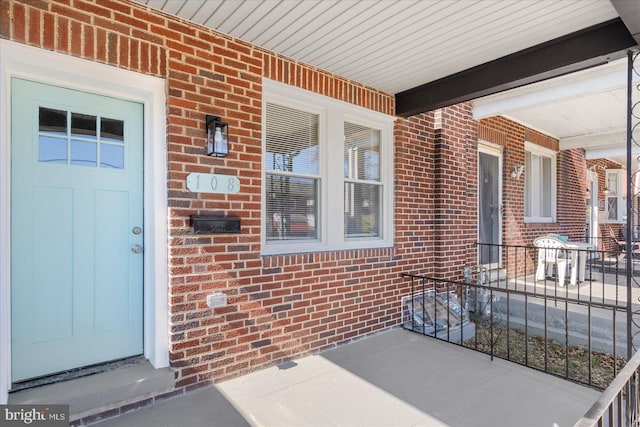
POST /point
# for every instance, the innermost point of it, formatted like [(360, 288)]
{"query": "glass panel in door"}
[(488, 208)]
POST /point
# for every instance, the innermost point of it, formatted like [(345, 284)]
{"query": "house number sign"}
[(213, 183)]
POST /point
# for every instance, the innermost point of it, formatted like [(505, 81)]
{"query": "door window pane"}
[(83, 125), (489, 207), (111, 130), (52, 140), (53, 121), (112, 156), (52, 150), (83, 153)]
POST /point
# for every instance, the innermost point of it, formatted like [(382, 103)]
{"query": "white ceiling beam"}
[(598, 79), (609, 152), (592, 141)]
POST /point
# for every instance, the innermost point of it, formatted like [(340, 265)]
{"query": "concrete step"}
[(103, 395)]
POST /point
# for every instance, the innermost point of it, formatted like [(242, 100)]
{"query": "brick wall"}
[(282, 306), (600, 166), (571, 179), (279, 306), (455, 190), (414, 193)]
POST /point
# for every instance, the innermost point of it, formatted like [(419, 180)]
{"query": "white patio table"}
[(579, 260)]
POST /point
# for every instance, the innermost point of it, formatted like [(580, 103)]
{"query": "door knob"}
[(136, 249)]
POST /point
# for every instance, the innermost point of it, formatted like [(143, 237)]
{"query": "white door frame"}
[(594, 214), (18, 60), (494, 150)]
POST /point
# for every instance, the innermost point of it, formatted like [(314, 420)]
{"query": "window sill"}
[(306, 247), (533, 220)]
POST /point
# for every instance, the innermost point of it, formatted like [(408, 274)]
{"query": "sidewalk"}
[(396, 378)]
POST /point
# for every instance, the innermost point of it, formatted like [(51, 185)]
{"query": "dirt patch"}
[(566, 361)]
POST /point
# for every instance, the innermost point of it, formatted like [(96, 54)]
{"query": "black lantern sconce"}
[(217, 136)]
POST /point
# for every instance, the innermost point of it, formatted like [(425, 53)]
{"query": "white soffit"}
[(392, 45), (586, 110)]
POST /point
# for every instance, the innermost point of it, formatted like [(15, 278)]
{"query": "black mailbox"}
[(215, 224)]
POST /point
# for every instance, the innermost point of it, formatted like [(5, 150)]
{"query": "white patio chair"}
[(552, 252)]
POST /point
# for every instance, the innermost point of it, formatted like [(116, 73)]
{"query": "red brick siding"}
[(572, 199), (571, 179), (455, 188), (601, 166), (279, 306), (414, 193), (283, 306)]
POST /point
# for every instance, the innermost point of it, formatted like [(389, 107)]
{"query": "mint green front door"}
[(76, 229)]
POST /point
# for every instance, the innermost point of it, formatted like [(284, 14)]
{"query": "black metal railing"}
[(549, 328), (596, 273), (619, 404)]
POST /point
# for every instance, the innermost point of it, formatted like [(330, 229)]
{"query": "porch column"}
[(455, 190)]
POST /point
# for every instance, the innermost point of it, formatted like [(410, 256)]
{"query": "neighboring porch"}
[(603, 278)]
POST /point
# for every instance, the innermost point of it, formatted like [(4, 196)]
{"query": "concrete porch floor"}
[(395, 378)]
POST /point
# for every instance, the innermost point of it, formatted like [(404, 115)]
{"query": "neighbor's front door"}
[(76, 229), (489, 206)]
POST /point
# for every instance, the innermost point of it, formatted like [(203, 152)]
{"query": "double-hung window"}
[(539, 184), (615, 195), (310, 203)]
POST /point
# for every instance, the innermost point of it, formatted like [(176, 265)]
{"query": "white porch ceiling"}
[(392, 45), (587, 109), (396, 45)]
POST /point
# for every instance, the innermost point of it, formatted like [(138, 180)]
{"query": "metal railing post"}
[(629, 263)]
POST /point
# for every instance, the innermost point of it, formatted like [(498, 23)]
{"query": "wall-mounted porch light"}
[(517, 171), (217, 136)]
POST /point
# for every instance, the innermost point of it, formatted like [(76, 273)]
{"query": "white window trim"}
[(620, 195), (333, 114), (18, 60), (542, 151)]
